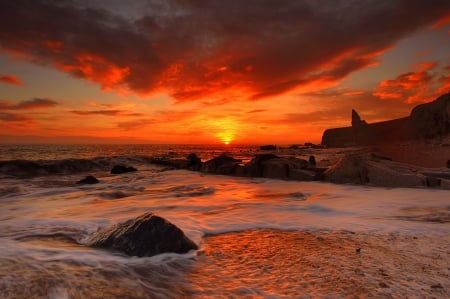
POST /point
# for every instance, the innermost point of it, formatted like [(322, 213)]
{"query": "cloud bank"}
[(195, 49)]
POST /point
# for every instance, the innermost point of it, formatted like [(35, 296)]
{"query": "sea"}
[(45, 219)]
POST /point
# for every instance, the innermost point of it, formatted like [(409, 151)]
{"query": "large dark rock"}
[(367, 169), (432, 120), (195, 163), (269, 147), (362, 133), (221, 165), (274, 167), (119, 169), (429, 120), (147, 235), (88, 180)]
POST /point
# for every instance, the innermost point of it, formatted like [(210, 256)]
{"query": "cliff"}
[(426, 121)]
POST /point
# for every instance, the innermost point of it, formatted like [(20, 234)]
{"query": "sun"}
[(225, 130)]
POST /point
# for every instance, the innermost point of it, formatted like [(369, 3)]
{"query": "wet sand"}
[(283, 264), (252, 264)]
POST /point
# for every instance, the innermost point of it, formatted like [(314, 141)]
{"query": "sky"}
[(214, 71)]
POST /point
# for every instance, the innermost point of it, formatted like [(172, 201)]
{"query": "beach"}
[(257, 237)]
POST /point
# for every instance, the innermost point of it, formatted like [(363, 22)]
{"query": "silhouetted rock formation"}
[(25, 168), (221, 165), (269, 147), (362, 132), (88, 180), (430, 120), (147, 235), (195, 163), (119, 169)]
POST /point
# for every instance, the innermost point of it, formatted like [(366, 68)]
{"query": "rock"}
[(348, 170), (432, 120), (221, 165), (363, 169), (312, 161), (271, 166), (338, 137), (270, 147), (88, 180), (195, 163), (393, 174), (445, 184), (433, 181), (363, 134), (147, 235), (437, 286), (303, 175), (119, 169), (254, 167)]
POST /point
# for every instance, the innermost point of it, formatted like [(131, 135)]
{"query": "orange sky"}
[(182, 71)]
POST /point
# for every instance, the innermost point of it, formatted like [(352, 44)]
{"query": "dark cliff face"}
[(429, 120), (432, 119)]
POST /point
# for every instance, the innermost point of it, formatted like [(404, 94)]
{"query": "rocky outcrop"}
[(265, 166), (369, 169), (25, 168), (221, 165), (362, 133), (272, 166), (88, 180), (432, 120), (269, 147), (119, 169), (429, 120), (195, 163), (147, 235)]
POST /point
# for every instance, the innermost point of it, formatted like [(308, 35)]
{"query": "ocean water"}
[(45, 219)]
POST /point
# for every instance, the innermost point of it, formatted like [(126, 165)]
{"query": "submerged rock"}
[(147, 235), (118, 169), (88, 180)]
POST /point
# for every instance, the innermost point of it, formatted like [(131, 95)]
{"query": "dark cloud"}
[(13, 117), (105, 113), (10, 80), (36, 103), (192, 49)]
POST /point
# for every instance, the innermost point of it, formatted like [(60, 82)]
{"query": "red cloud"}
[(12, 117), (105, 112), (36, 103), (417, 86), (259, 48), (10, 80)]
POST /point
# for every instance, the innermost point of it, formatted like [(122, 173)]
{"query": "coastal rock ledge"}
[(147, 235)]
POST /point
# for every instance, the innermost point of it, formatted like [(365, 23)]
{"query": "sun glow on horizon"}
[(226, 130)]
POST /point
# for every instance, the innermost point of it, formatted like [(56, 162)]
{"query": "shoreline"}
[(323, 263), (257, 263)]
